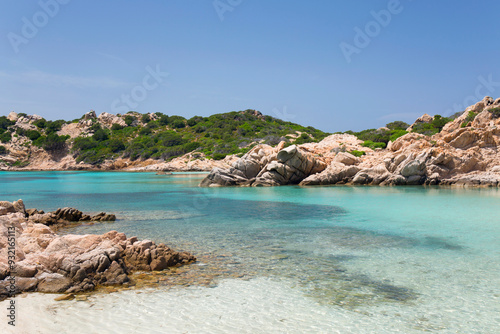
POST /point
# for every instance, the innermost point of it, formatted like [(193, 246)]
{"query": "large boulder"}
[(291, 166), (244, 170)]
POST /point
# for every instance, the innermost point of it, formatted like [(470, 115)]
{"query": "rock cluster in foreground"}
[(47, 262), (464, 153)]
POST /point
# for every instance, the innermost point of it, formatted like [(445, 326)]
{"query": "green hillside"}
[(163, 137)]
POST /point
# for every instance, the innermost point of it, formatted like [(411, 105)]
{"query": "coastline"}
[(40, 260)]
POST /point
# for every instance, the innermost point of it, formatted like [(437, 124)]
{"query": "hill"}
[(134, 139)]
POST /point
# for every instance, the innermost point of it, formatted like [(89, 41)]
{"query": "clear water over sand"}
[(285, 259)]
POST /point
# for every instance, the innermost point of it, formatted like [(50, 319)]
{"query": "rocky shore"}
[(464, 153), (34, 258)]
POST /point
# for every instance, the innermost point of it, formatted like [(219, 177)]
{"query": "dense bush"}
[(3, 150), (5, 137), (432, 128), (357, 153), (40, 123), (84, 143), (32, 134), (100, 135), (129, 119), (116, 145), (145, 131), (53, 142), (145, 118), (53, 126), (373, 145), (397, 125), (396, 134), (178, 124), (5, 122), (116, 127)]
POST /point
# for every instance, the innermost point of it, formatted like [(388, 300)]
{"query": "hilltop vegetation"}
[(163, 137), (379, 138)]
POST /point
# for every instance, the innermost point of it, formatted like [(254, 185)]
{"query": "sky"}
[(333, 65)]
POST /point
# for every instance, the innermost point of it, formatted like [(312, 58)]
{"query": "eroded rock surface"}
[(47, 262), (464, 153)]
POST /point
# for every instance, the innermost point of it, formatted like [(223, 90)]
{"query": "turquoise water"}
[(406, 259)]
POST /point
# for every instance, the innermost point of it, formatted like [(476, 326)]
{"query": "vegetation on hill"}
[(379, 138), (159, 136), (166, 137)]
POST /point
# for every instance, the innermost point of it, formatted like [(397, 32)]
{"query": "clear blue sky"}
[(283, 58)]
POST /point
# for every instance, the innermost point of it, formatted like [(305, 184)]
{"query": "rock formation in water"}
[(465, 153), (47, 262)]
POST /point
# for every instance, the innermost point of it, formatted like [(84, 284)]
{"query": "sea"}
[(323, 259)]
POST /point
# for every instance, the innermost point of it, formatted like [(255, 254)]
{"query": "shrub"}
[(145, 131), (397, 125), (5, 122), (92, 157), (53, 142), (169, 138), (32, 134), (219, 156), (40, 123), (179, 124), (357, 153), (116, 145), (425, 128), (396, 134), (189, 147), (54, 126), (164, 120), (100, 135), (432, 128), (194, 120), (439, 122), (470, 117), (84, 143), (373, 145), (3, 150), (145, 118), (129, 119), (116, 127), (303, 138), (5, 137)]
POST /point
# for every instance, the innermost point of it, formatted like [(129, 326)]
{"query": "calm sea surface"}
[(286, 259)]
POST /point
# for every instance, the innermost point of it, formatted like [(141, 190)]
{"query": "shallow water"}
[(286, 259)]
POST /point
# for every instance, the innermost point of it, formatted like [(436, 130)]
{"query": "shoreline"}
[(457, 184), (41, 260)]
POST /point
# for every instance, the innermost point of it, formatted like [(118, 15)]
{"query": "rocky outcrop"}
[(107, 120), (267, 166), (422, 119), (47, 262), (64, 216), (292, 165), (461, 154)]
